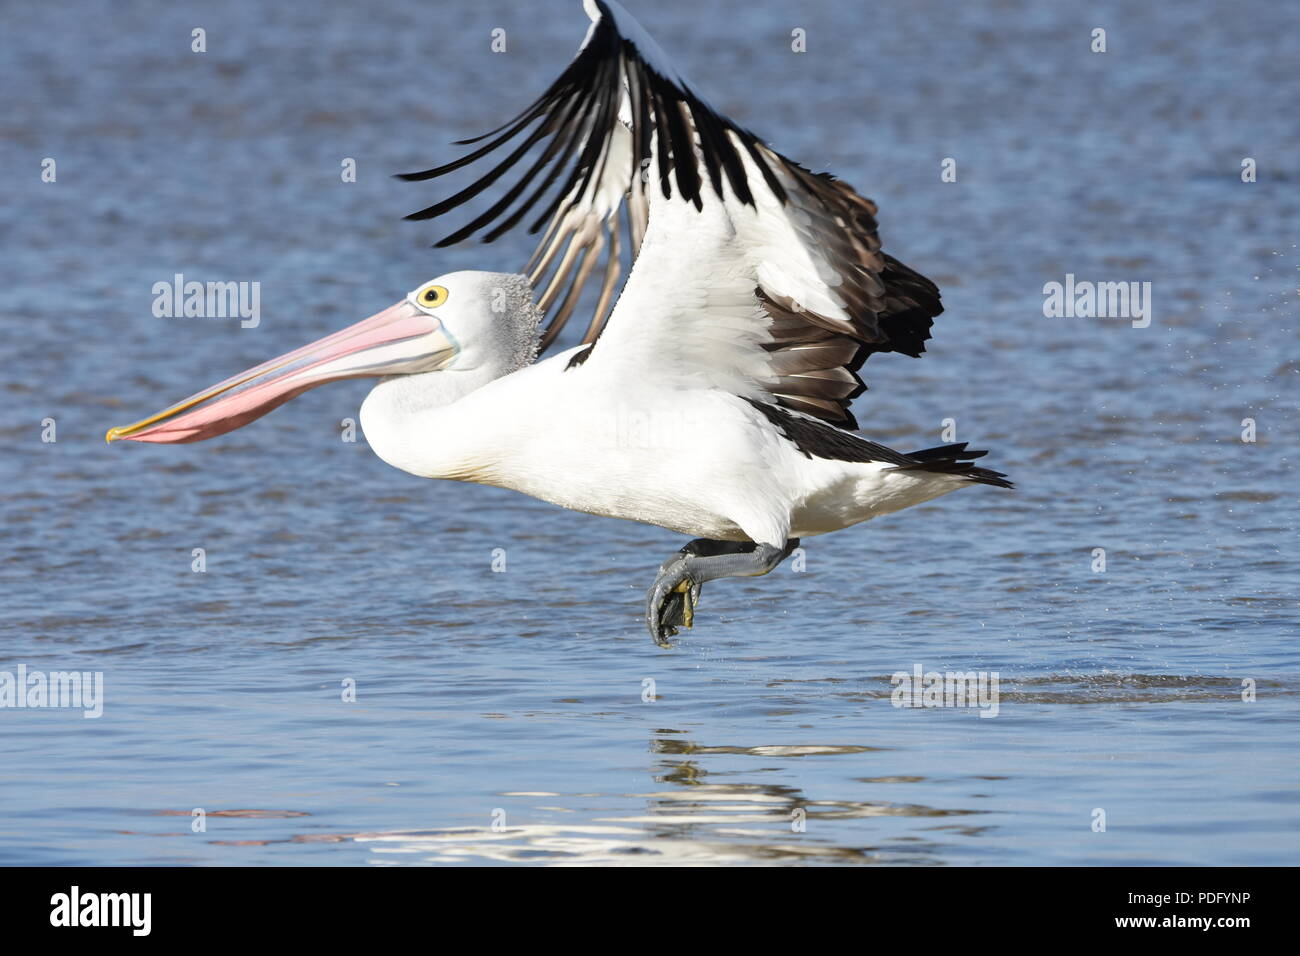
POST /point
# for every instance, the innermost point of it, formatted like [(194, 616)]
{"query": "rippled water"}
[(499, 717)]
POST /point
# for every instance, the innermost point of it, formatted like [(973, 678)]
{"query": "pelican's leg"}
[(671, 602)]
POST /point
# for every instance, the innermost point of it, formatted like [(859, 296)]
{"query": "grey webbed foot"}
[(671, 602)]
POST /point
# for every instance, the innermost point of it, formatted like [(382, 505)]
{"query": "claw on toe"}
[(671, 608), (688, 602)]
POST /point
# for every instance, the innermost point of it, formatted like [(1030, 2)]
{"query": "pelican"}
[(711, 397)]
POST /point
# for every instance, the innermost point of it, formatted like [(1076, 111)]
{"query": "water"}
[(516, 698)]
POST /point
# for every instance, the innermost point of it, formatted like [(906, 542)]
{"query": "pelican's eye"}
[(431, 295)]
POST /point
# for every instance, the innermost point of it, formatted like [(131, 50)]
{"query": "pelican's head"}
[(463, 321)]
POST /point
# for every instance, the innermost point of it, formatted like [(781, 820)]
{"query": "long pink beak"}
[(401, 339)]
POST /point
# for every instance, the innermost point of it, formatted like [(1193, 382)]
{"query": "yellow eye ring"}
[(431, 296)]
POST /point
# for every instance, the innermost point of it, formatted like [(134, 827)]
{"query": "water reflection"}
[(697, 812)]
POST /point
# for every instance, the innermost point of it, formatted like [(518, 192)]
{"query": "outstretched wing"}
[(749, 270)]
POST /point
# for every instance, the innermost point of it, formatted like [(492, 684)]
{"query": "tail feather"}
[(955, 460)]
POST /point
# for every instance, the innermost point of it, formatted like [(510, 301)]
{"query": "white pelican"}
[(713, 402)]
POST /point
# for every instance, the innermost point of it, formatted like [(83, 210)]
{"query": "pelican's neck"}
[(421, 423)]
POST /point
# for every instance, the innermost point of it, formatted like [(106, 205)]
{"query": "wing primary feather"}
[(708, 148), (661, 135), (516, 128), (589, 254), (545, 251), (639, 108), (613, 267), (588, 127), (751, 145), (553, 211), (683, 143), (513, 193), (578, 239), (469, 192), (604, 36), (719, 154), (594, 102)]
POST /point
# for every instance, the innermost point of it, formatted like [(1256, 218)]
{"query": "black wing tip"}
[(847, 421), (987, 476), (816, 438), (580, 357), (955, 459), (423, 175)]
